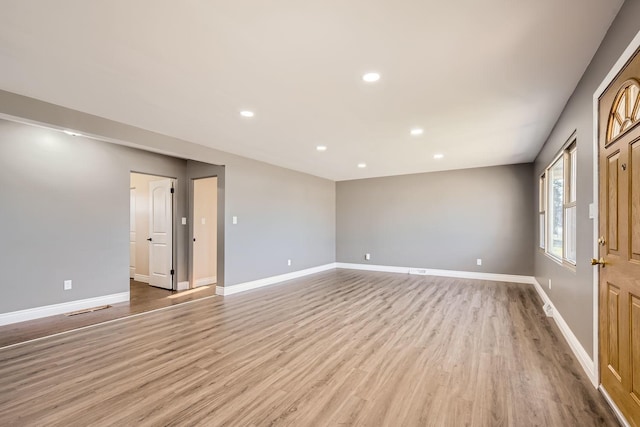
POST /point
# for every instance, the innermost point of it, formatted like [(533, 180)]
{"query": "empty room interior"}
[(318, 214)]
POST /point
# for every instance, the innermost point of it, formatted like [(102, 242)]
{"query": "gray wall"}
[(441, 220), (572, 292), (282, 214), (64, 215)]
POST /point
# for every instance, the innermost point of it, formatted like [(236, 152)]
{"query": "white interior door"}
[(161, 233), (132, 234)]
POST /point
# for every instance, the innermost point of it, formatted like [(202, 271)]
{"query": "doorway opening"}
[(151, 236), (205, 232)]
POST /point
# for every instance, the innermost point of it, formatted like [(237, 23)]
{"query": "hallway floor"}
[(143, 298)]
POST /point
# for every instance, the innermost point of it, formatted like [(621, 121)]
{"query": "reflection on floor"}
[(143, 298), (340, 347)]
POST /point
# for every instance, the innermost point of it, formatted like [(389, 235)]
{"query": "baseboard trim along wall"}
[(445, 273), (141, 278), (581, 354), (183, 286), (205, 281), (242, 287), (65, 307)]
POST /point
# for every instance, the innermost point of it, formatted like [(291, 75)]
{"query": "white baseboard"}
[(65, 307), (242, 287), (432, 272), (373, 267), (618, 413), (141, 278), (132, 272), (581, 354), (183, 286), (205, 281)]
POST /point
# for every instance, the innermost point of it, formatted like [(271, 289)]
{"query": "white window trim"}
[(567, 203), (542, 210), (569, 146)]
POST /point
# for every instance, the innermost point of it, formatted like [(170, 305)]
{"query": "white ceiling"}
[(485, 79)]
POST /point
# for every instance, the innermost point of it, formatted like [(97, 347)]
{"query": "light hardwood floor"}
[(336, 348), (143, 298)]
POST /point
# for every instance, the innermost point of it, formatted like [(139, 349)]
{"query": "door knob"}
[(150, 239), (602, 241), (598, 261)]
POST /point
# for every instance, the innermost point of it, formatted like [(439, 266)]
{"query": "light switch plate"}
[(234, 219), (68, 285), (184, 221), (203, 221)]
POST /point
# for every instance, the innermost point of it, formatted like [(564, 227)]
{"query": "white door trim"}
[(617, 67), (132, 232)]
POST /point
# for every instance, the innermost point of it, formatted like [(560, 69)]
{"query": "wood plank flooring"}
[(336, 348), (143, 298)]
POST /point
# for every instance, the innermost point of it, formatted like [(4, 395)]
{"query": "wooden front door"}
[(619, 317)]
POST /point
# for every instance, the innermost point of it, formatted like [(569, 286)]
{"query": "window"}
[(555, 202), (570, 207), (542, 211), (557, 207)]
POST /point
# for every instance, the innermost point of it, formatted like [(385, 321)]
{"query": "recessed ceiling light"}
[(362, 165), (72, 133), (321, 148), (247, 113), (438, 156), (417, 131), (371, 77)]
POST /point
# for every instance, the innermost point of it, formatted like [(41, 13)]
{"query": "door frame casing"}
[(192, 200), (196, 170), (613, 73), (175, 219)]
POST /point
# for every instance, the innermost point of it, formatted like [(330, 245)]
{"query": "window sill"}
[(559, 261)]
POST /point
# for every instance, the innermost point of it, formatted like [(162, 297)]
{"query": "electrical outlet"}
[(68, 285), (288, 262), (367, 257), (549, 283), (234, 219), (479, 261)]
